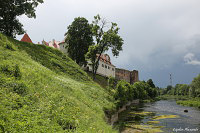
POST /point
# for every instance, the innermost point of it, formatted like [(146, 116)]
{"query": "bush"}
[(13, 71), (20, 88), (112, 82), (6, 44), (122, 92), (17, 73), (141, 89)]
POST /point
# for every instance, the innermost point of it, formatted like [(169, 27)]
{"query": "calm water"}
[(185, 122)]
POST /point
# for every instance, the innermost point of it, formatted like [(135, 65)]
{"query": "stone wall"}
[(134, 76), (129, 76), (122, 74)]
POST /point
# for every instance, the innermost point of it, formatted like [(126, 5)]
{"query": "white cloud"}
[(190, 59)]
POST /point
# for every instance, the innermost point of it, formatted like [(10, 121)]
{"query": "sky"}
[(161, 37)]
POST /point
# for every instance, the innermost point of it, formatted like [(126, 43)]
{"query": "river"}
[(160, 116)]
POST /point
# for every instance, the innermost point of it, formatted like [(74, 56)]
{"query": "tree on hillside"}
[(79, 38), (10, 10), (105, 37)]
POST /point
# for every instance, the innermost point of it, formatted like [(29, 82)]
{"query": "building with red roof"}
[(26, 38)]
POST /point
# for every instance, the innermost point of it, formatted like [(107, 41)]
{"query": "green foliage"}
[(122, 92), (17, 72), (79, 38), (92, 58), (101, 80), (13, 71), (104, 39), (191, 92), (195, 102), (42, 90), (142, 88), (150, 82), (112, 82), (10, 10), (6, 44), (195, 87), (20, 89), (139, 90)]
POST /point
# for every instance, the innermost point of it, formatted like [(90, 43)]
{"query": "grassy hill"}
[(42, 90), (101, 80)]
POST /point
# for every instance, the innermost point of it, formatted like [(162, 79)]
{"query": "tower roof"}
[(26, 38)]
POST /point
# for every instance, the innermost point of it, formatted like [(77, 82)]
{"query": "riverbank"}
[(183, 100), (159, 116), (195, 102), (175, 97), (114, 118)]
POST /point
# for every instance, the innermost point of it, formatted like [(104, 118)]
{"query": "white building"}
[(63, 47), (106, 68)]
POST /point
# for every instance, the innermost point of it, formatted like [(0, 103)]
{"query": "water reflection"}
[(164, 115)]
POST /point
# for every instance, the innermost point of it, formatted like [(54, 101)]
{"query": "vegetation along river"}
[(160, 116)]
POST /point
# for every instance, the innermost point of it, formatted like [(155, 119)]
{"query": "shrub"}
[(6, 69), (10, 46), (112, 82), (17, 73), (20, 88), (11, 71), (6, 44)]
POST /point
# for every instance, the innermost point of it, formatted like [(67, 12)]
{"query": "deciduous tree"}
[(79, 38), (195, 86), (105, 36), (150, 82), (10, 10)]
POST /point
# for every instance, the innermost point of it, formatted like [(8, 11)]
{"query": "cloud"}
[(190, 59)]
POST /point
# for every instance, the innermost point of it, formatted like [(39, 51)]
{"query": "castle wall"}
[(129, 76)]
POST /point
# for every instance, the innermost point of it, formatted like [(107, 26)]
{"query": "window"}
[(105, 66), (108, 67), (102, 65), (113, 69)]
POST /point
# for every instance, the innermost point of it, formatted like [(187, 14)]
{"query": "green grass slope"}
[(102, 81), (42, 90)]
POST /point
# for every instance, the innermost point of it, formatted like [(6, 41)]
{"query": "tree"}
[(150, 82), (169, 88), (79, 38), (122, 90), (103, 39), (195, 87), (10, 10), (112, 82), (141, 87)]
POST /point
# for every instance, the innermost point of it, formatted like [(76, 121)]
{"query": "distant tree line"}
[(192, 90), (124, 91)]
